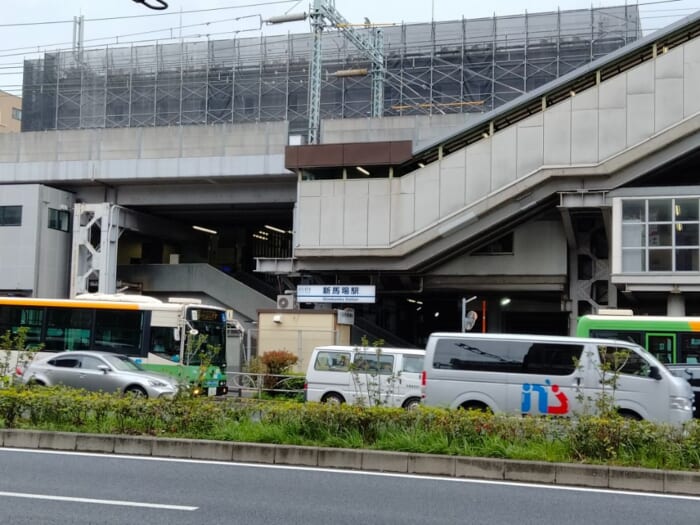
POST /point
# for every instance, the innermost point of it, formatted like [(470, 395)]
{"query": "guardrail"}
[(248, 384)]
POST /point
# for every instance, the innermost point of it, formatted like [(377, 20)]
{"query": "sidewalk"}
[(595, 476)]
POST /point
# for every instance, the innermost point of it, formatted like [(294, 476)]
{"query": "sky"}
[(34, 26)]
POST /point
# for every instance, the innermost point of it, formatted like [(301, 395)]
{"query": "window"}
[(502, 246), (689, 348), (13, 317), (91, 363), (624, 360), (661, 235), (10, 215), (333, 361), (507, 356), (371, 363), (59, 220), (412, 363), (68, 329), (622, 335), (16, 113), (65, 362), (118, 331)]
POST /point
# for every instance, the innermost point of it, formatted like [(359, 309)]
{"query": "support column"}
[(675, 305)]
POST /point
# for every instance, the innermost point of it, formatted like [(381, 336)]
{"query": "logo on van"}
[(561, 402)]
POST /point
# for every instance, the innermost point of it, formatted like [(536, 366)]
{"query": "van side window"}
[(333, 361), (553, 359), (624, 360), (412, 364), (368, 363), (517, 357)]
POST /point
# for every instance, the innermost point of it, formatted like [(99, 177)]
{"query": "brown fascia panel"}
[(351, 154)]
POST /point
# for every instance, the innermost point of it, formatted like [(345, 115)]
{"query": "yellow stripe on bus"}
[(29, 301), (694, 326)]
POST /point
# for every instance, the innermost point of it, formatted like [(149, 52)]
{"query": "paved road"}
[(40, 488)]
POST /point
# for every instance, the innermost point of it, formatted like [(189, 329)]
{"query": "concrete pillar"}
[(675, 305)]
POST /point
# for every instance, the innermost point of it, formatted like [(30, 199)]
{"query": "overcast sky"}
[(32, 26)]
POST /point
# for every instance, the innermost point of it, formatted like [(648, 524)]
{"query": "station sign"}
[(336, 293)]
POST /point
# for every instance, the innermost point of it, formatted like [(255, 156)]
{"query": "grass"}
[(596, 440)]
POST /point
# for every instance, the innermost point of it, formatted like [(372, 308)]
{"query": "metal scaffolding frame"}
[(460, 66)]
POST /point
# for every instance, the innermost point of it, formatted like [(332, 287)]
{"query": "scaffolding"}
[(461, 66)]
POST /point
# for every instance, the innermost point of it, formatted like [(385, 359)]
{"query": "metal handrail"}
[(250, 382)]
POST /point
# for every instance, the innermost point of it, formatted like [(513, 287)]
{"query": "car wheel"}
[(411, 403), (333, 399), (135, 391)]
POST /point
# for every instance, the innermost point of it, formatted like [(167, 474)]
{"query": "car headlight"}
[(157, 382), (680, 403)]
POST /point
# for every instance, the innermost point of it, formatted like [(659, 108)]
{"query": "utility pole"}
[(322, 13)]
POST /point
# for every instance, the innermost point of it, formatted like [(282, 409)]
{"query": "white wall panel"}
[(356, 212), (669, 102), (427, 206), (503, 158), (332, 212), (584, 136), (612, 133), (612, 94), (530, 145), (640, 117), (557, 134), (478, 171), (308, 232), (641, 79), (402, 216), (691, 80), (453, 179), (379, 212)]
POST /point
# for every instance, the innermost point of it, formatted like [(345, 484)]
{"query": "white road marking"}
[(540, 486), (96, 501)]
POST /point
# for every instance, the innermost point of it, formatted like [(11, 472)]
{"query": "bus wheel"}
[(333, 399), (411, 403), (135, 391)]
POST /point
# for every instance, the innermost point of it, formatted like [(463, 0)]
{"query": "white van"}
[(365, 375), (530, 374)]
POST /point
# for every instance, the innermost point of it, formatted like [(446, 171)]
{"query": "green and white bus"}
[(156, 333), (672, 340)]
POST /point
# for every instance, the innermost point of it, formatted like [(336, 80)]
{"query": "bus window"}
[(13, 317), (68, 329), (118, 331), (689, 348), (163, 342), (620, 335), (662, 346)]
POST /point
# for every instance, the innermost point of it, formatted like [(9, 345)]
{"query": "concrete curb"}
[(596, 476)]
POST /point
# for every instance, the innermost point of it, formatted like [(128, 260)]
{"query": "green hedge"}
[(611, 440)]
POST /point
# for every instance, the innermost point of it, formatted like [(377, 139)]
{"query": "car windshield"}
[(121, 362)]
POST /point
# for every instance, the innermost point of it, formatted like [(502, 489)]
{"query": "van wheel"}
[(411, 403), (629, 414), (333, 399), (477, 406)]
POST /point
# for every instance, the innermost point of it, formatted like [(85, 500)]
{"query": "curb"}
[(564, 474)]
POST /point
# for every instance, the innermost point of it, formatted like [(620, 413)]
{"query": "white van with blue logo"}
[(550, 375)]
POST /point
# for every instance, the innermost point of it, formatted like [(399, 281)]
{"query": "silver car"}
[(99, 371)]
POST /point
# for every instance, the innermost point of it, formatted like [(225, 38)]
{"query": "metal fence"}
[(256, 385)]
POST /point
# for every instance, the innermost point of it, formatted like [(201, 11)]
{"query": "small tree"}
[(198, 350), (277, 363), (16, 353), (367, 380)]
